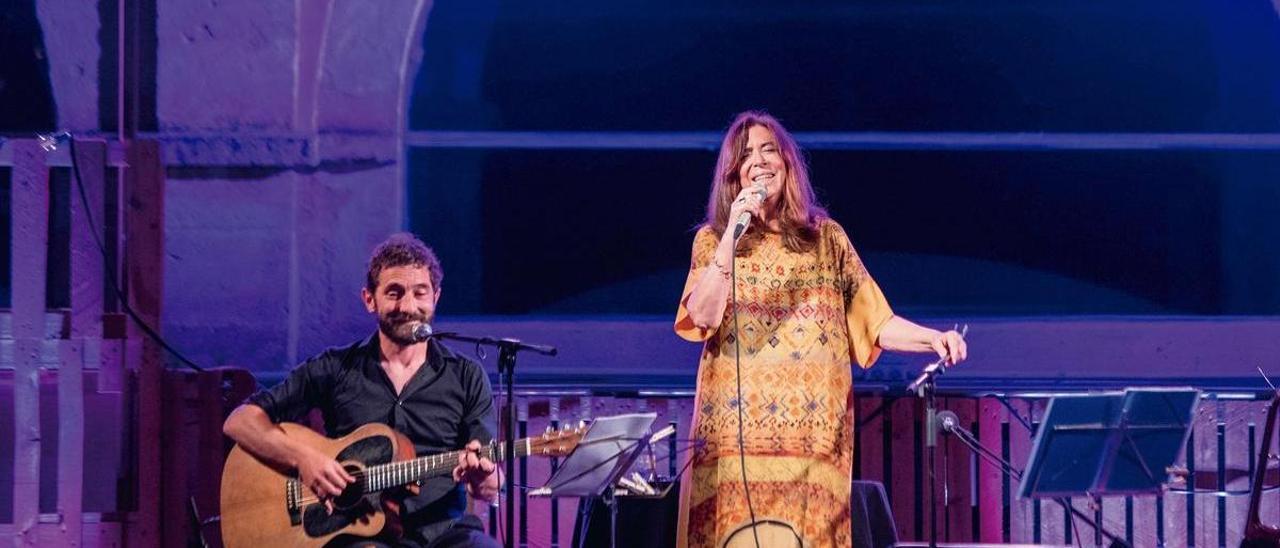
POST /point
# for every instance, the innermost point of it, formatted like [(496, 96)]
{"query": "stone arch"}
[(286, 122), (355, 114)]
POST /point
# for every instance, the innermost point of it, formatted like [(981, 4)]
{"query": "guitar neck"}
[(394, 474)]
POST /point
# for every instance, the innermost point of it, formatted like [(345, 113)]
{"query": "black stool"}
[(871, 517)]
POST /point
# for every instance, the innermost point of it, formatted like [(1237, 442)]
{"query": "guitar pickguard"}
[(316, 519)]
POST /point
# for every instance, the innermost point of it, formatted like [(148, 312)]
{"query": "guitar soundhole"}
[(354, 491), (351, 506)]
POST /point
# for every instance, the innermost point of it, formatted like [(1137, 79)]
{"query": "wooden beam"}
[(870, 450), (96, 532), (212, 450), (87, 274), (990, 504), (903, 491), (1021, 511), (87, 262), (70, 440), (144, 272), (176, 455), (30, 214), (958, 502)]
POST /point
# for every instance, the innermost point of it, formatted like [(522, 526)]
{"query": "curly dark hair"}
[(403, 249)]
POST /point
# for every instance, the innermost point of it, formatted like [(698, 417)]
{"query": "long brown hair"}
[(797, 211)]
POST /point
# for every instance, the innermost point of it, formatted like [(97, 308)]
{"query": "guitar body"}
[(266, 505), (256, 509)]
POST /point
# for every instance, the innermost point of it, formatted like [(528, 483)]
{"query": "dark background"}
[(980, 232), (1135, 231)]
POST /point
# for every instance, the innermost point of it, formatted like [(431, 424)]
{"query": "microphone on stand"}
[(934, 369), (422, 332), (947, 421), (745, 218), (930, 371)]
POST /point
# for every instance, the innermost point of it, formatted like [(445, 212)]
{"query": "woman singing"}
[(806, 309)]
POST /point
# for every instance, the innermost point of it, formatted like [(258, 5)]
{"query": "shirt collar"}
[(438, 355)]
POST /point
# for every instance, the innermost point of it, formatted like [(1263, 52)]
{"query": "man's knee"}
[(467, 532), (465, 538)]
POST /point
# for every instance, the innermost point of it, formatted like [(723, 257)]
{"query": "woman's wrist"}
[(722, 259), (724, 271)]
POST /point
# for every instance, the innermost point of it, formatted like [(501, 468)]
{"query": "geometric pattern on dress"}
[(794, 318)]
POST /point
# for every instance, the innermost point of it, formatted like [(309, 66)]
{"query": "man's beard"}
[(399, 327)]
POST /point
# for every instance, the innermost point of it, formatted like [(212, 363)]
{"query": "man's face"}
[(405, 297)]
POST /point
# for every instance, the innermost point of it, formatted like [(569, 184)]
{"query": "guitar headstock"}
[(557, 443)]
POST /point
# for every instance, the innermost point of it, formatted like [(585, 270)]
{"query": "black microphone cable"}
[(102, 248), (737, 377)]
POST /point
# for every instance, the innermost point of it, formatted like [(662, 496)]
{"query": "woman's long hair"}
[(797, 209)]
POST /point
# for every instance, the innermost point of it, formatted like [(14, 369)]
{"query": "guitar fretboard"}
[(394, 474)]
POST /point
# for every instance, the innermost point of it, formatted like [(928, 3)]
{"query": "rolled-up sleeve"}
[(299, 393), (478, 418)]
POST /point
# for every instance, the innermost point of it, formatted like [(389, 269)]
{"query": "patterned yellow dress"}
[(804, 317)]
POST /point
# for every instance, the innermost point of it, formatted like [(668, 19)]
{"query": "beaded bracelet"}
[(723, 271)]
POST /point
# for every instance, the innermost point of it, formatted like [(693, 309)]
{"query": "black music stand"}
[(606, 451), (1112, 443)]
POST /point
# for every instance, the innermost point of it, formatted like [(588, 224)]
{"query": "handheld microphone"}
[(745, 218), (422, 332)]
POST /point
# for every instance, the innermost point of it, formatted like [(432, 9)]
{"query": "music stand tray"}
[(1109, 443)]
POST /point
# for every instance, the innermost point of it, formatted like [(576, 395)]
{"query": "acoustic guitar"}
[(265, 505)]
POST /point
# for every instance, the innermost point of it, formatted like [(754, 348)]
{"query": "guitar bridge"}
[(292, 496)]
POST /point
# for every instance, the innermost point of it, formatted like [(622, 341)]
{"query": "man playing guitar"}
[(440, 400)]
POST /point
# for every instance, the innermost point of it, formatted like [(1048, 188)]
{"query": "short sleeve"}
[(299, 393), (865, 308), (478, 416), (704, 249)]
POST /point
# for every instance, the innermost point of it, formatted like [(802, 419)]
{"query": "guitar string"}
[(393, 469), (493, 452), (386, 470)]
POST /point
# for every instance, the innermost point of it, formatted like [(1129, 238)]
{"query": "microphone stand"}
[(925, 386), (507, 349)]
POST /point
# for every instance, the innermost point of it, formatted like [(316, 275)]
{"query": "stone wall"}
[(282, 123)]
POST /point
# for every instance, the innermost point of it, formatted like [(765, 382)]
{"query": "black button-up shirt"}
[(447, 403)]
